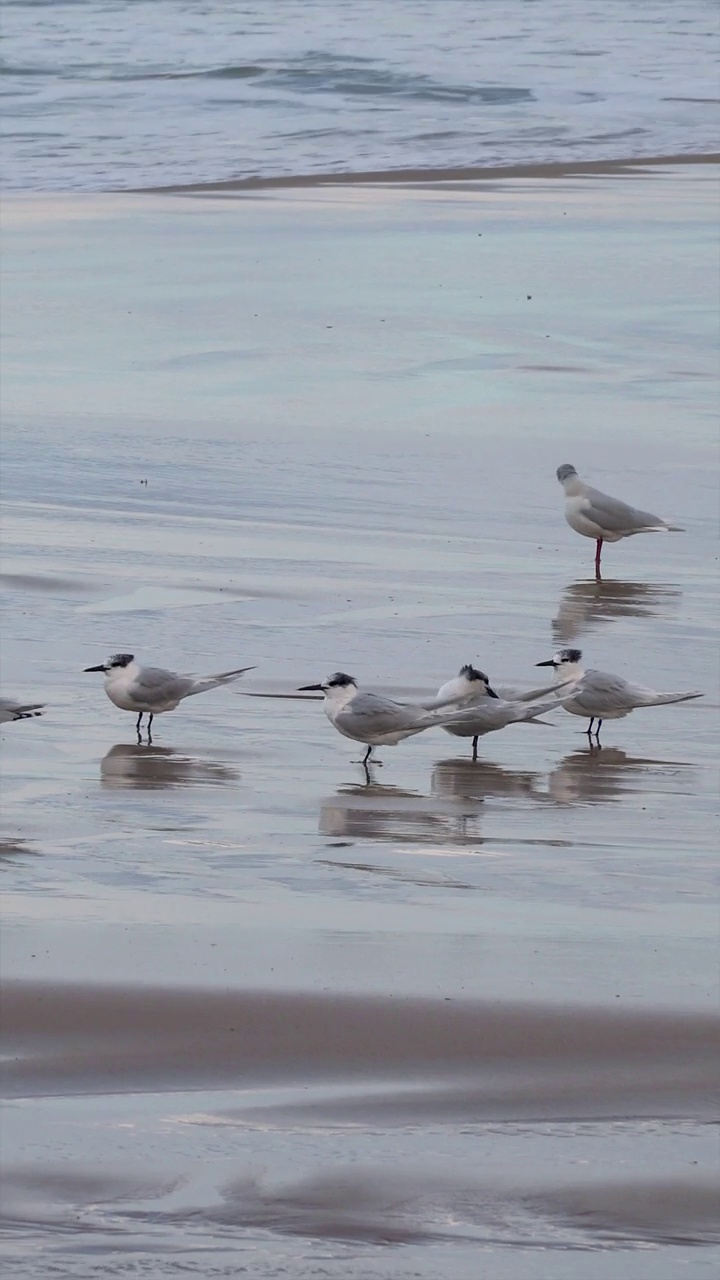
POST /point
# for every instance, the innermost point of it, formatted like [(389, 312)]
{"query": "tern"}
[(469, 685), (596, 515), (151, 689), (372, 718), (12, 710), (602, 696), (488, 712)]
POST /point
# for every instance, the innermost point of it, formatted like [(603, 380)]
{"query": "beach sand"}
[(262, 1017)]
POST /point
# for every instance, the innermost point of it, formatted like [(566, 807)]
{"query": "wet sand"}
[(438, 178), (264, 1017)]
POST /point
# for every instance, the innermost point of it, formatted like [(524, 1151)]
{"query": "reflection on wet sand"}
[(152, 768), (294, 1061), (585, 605), (377, 812), (602, 774), (369, 1204), (14, 848), (406, 1206), (476, 779), (66, 1037)]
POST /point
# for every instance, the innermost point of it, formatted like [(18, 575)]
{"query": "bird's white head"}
[(114, 663), (566, 664), (339, 689), (468, 683)]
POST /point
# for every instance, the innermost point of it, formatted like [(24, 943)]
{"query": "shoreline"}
[(395, 181), (435, 177)]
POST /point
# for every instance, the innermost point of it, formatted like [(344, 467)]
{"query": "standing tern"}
[(488, 712), (372, 718), (151, 689), (596, 515), (12, 710), (602, 696)]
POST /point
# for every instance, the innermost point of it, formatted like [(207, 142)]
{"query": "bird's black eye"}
[(339, 680), (120, 660)]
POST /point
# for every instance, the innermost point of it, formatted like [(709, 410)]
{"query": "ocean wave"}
[(198, 91), (309, 74)]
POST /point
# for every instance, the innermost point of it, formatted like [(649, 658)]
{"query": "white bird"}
[(12, 710), (151, 689), (487, 712), (596, 515), (372, 718), (602, 696)]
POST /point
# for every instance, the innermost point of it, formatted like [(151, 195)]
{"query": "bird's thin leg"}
[(589, 728), (597, 731), (366, 757), (475, 742), (149, 727), (138, 722), (598, 550)]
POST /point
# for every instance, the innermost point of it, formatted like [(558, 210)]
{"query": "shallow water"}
[(111, 94), (263, 1014)]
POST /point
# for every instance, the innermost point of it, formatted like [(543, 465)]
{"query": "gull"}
[(12, 710), (372, 718), (151, 689), (596, 515), (602, 696), (488, 712)]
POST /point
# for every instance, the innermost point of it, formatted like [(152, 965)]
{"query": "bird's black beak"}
[(310, 688), (491, 692), (549, 663), (100, 668)]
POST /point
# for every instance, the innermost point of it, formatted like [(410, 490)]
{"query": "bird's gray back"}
[(375, 708), (601, 689), (156, 684), (611, 513)]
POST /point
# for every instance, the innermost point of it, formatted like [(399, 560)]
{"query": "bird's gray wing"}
[(153, 684), (495, 714), (492, 714), (373, 710), (12, 710), (511, 694), (599, 691), (616, 516)]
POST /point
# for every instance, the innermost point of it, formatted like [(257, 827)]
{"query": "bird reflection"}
[(152, 768), (600, 775), (584, 605), (377, 812), (14, 847), (468, 779)]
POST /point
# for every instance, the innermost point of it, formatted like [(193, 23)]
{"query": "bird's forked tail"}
[(213, 682)]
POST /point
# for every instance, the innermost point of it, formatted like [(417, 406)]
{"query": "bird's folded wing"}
[(492, 714), (154, 684), (20, 708), (368, 709), (511, 694), (609, 513), (599, 691)]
